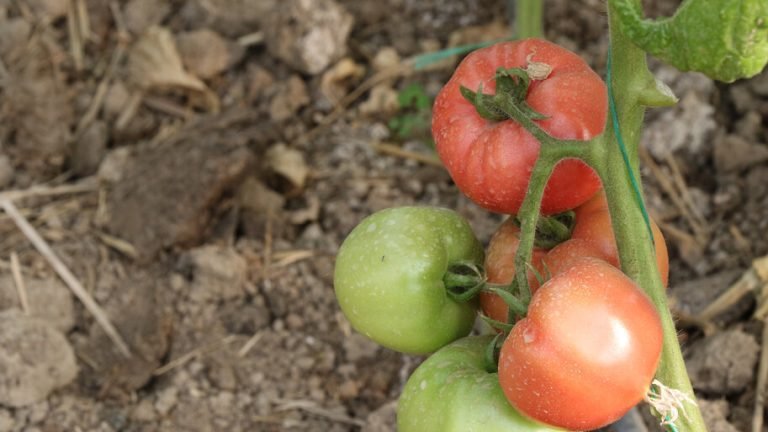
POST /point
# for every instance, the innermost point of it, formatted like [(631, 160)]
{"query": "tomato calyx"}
[(552, 230), (508, 102), (464, 280)]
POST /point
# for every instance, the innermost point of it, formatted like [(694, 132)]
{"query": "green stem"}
[(529, 216), (630, 75), (529, 19)]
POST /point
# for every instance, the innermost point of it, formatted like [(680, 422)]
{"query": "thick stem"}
[(528, 19), (630, 74)]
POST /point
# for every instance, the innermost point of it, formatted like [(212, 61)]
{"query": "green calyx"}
[(723, 39), (511, 90)]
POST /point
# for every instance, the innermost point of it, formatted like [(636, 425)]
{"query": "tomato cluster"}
[(579, 352)]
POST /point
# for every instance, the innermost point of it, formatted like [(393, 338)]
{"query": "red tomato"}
[(500, 267), (562, 257), (491, 161), (587, 350), (593, 224)]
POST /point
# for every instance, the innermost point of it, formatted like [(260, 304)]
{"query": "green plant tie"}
[(423, 60), (623, 148)]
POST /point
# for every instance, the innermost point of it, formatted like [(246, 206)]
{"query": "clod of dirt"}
[(116, 99), (48, 10), (358, 347), (217, 273), (384, 419), (154, 63), (204, 52), (289, 97), (49, 300), (90, 149), (715, 413), (138, 310), (229, 17), (37, 106), (733, 153), (258, 203), (724, 363), (336, 81), (167, 193), (6, 171), (693, 296), (35, 359), (289, 166), (385, 58), (308, 35), (382, 99), (140, 15), (259, 80)]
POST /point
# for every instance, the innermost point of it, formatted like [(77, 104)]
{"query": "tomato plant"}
[(491, 161), (587, 350), (453, 392), (591, 236), (389, 277)]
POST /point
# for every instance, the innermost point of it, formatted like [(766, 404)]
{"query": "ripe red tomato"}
[(593, 224), (491, 161), (587, 350), (500, 267)]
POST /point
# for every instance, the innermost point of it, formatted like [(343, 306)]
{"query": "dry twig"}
[(18, 279), (65, 274), (312, 408), (394, 150), (186, 358)]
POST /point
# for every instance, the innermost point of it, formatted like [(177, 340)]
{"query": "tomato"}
[(491, 161), (389, 277), (563, 256), (587, 350), (593, 224), (500, 267), (452, 392)]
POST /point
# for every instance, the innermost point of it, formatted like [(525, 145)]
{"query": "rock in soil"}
[(383, 419), (724, 363), (6, 171), (167, 194), (715, 415), (217, 273), (138, 309), (692, 297), (308, 35), (49, 300), (204, 52), (35, 359), (89, 149)]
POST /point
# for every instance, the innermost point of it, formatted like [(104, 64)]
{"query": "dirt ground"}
[(195, 165)]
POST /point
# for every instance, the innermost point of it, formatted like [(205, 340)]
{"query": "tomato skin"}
[(587, 350), (593, 224), (452, 392), (563, 256), (389, 277), (490, 161), (500, 267)]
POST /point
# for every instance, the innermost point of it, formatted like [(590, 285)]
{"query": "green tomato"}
[(452, 392), (389, 277)]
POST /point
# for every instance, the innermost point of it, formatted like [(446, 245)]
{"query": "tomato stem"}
[(529, 19), (630, 78)]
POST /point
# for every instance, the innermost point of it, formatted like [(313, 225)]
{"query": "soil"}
[(199, 196)]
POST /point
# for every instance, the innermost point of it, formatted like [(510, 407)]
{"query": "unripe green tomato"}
[(452, 392), (389, 277)]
